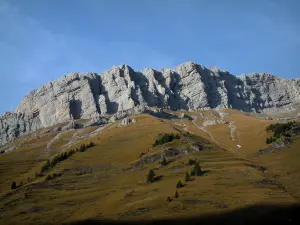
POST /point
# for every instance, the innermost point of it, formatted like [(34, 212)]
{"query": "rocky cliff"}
[(189, 86)]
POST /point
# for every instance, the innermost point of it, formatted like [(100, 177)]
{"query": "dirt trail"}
[(204, 130), (75, 138), (50, 143)]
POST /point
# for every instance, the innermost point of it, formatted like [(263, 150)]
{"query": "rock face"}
[(189, 86), (13, 125)]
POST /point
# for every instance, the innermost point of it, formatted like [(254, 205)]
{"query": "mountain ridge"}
[(189, 86)]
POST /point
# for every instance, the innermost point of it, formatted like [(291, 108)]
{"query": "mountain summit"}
[(189, 86)]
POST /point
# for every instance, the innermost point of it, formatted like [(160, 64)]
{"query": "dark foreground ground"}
[(258, 214)]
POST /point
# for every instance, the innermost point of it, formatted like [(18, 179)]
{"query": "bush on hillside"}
[(13, 185), (187, 177), (176, 194), (191, 162), (270, 140), (280, 130), (90, 145), (164, 161), (165, 138), (179, 184), (150, 176), (53, 176), (196, 171), (82, 148), (63, 156)]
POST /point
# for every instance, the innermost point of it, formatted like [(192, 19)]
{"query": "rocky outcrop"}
[(188, 86), (129, 112), (71, 97), (70, 126), (13, 125), (126, 121)]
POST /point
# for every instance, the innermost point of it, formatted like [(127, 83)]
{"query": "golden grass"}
[(284, 165), (107, 189)]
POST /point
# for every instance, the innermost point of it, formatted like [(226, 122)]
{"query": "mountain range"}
[(188, 86)]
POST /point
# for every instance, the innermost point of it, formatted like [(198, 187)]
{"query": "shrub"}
[(150, 176), (58, 158), (176, 194), (13, 185), (187, 177), (169, 199), (192, 173), (281, 129), (165, 138), (191, 162), (270, 140), (179, 184), (82, 148), (164, 161), (38, 174), (49, 177), (63, 156), (90, 145), (196, 171), (53, 176)]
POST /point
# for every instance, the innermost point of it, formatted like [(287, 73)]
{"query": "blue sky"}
[(41, 40)]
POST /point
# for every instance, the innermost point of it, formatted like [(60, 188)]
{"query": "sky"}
[(42, 40)]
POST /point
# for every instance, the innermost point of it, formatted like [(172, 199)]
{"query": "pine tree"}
[(187, 177), (90, 145), (196, 170), (13, 185), (191, 162), (179, 184), (169, 199), (150, 176), (82, 148), (164, 161), (176, 194)]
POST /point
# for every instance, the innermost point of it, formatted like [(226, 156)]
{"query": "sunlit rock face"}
[(189, 86)]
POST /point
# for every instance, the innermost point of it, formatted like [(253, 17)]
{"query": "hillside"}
[(151, 145), (107, 180)]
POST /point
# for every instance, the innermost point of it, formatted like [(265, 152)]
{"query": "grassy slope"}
[(251, 132), (107, 189), (20, 164), (284, 165)]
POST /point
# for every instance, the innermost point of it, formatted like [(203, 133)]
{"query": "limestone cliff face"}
[(13, 125), (189, 86)]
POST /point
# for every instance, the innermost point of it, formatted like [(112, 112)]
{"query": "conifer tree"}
[(164, 161), (150, 176), (13, 185), (187, 177), (176, 194), (179, 184)]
